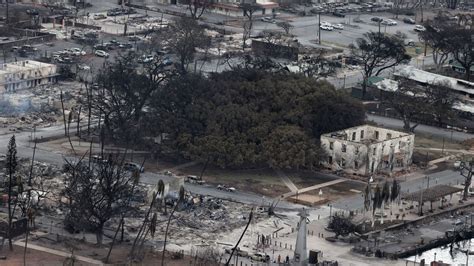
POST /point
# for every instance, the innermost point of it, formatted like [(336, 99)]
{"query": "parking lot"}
[(306, 28)]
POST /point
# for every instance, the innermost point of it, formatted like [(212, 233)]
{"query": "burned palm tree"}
[(466, 171), (240, 238), (177, 203), (136, 180), (367, 198), (376, 202), (145, 227), (395, 192), (385, 197), (11, 165)]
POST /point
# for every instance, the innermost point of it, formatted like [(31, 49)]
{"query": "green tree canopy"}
[(245, 118)]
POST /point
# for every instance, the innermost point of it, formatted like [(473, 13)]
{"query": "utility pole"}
[(8, 13), (319, 28), (379, 26)]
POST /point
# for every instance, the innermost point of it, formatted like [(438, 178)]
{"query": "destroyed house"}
[(464, 90), (26, 74), (366, 150)]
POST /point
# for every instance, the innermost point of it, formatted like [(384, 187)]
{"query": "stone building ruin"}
[(366, 150)]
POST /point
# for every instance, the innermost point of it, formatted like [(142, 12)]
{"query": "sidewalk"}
[(58, 253)]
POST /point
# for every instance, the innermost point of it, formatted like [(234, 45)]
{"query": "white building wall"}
[(357, 150), (26, 74)]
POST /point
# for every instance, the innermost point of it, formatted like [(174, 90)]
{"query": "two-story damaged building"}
[(366, 150), (26, 74)]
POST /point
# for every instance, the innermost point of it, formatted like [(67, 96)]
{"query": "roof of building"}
[(431, 194), (20, 66), (425, 77), (432, 78), (342, 134)]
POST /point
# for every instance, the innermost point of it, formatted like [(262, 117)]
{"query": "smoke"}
[(11, 105)]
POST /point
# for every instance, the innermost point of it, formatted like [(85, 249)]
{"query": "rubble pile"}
[(40, 106), (149, 23), (201, 219)]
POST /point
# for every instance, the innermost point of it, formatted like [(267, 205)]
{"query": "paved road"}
[(435, 131), (25, 149), (447, 177)]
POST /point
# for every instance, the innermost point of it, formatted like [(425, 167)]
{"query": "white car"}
[(326, 27), (410, 42), (338, 26), (419, 28), (389, 22), (78, 51), (84, 67), (101, 53), (325, 23), (146, 59)]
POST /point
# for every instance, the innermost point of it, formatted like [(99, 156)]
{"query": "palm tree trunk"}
[(382, 212), (113, 241), (241, 236), (166, 234)]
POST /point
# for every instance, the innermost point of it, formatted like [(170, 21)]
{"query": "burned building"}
[(366, 150), (26, 74)]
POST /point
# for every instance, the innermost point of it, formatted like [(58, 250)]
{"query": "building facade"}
[(366, 150), (26, 74)]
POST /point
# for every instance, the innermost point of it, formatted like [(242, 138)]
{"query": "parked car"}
[(32, 12), (99, 16), (457, 164), (132, 167), (226, 188), (100, 47), (29, 48), (419, 28), (376, 19), (83, 67), (260, 257), (268, 19), (134, 38), (146, 59), (409, 21), (194, 180), (389, 22), (410, 42), (78, 51), (101, 53), (338, 26), (167, 61), (338, 14), (238, 252), (125, 45), (326, 27)]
